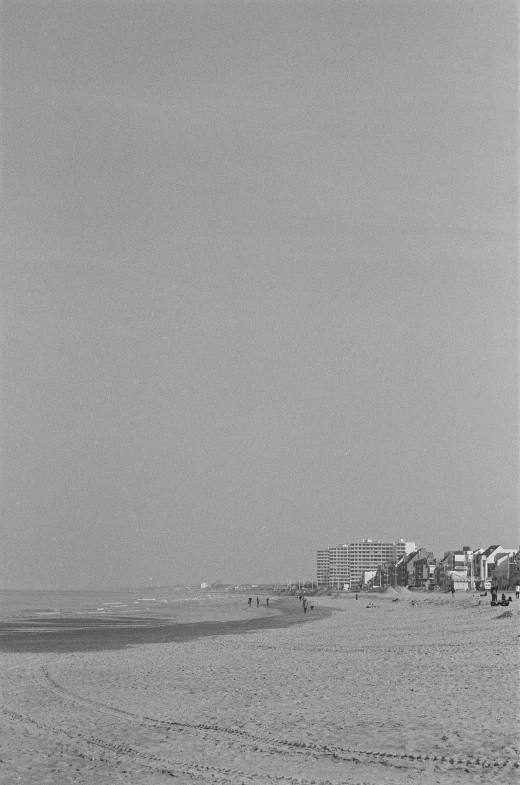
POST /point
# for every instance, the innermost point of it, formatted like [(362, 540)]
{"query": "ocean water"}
[(176, 603)]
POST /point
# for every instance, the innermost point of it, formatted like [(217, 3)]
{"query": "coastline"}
[(384, 691), (80, 634)]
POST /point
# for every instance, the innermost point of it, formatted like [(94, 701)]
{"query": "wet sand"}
[(75, 634), (393, 693)]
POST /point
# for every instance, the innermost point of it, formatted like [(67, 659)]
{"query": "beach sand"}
[(388, 694)]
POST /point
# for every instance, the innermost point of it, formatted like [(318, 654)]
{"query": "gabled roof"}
[(490, 550), (428, 559), (446, 556)]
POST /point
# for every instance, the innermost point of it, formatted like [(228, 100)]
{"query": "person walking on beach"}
[(267, 601), (304, 603), (258, 602), (250, 600), (517, 591)]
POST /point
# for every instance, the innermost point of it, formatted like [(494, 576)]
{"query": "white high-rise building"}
[(322, 569), (343, 565), (338, 566)]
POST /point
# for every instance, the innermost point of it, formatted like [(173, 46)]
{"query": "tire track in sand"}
[(285, 746), (174, 768)]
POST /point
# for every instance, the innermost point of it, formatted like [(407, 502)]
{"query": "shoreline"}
[(383, 691), (77, 634)]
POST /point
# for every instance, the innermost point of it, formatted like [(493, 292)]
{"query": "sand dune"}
[(386, 694)]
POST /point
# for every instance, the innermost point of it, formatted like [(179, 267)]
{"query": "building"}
[(458, 581), (514, 569), (322, 569), (405, 567), (487, 562), (345, 565), (385, 575), (338, 567), (502, 571), (424, 571), (369, 555), (461, 562)]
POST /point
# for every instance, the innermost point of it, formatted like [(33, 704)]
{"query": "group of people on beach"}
[(503, 600), (304, 602), (494, 595), (494, 598), (250, 600)]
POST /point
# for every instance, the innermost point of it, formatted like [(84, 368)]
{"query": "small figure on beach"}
[(356, 595), (258, 602), (250, 600), (304, 603), (517, 591), (267, 601), (453, 591)]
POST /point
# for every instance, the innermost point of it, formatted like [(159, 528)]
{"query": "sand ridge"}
[(393, 693)]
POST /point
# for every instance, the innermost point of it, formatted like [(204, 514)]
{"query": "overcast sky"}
[(260, 284)]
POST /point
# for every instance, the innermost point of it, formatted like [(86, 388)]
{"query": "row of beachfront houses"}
[(417, 568), (460, 570)]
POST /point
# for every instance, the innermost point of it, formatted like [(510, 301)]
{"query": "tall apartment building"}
[(322, 567), (338, 565), (345, 564)]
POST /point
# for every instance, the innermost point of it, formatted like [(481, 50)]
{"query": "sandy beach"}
[(393, 693)]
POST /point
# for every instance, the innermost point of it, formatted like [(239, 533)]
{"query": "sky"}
[(260, 285)]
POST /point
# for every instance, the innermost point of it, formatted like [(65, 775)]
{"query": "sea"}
[(183, 604)]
